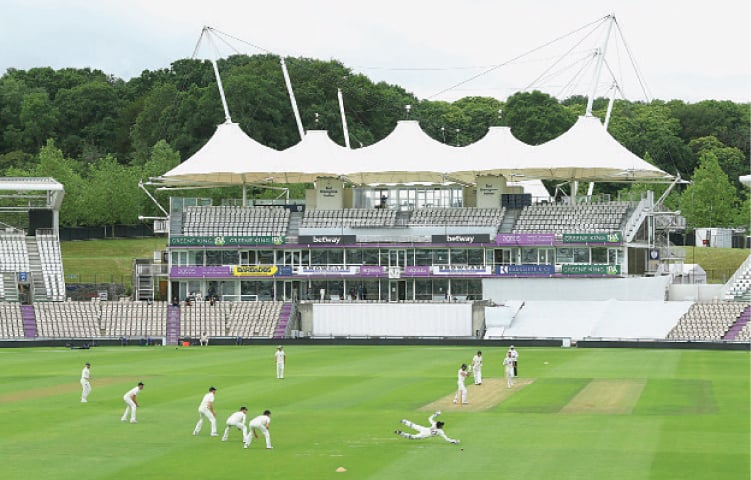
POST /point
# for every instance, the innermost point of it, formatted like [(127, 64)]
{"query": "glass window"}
[(335, 256), (213, 257), (475, 256), (529, 256), (423, 289), (354, 256), (474, 289), (370, 256), (599, 255), (265, 257), (581, 255), (318, 256), (441, 256), (564, 255), (423, 256), (440, 286), (547, 256), (230, 257), (613, 256), (459, 256)]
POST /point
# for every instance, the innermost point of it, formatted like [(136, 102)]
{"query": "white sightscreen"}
[(393, 320)]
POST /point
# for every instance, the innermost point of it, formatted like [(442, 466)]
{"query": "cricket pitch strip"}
[(479, 397)]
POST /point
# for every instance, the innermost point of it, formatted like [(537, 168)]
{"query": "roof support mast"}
[(227, 117), (598, 67), (292, 99), (344, 118)]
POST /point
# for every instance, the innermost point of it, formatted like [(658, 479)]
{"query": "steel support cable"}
[(496, 67)]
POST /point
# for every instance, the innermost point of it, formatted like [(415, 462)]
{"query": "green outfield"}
[(586, 413)]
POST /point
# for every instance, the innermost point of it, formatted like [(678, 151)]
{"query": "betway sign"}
[(327, 239), (462, 238)]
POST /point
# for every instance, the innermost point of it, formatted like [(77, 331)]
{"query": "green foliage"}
[(536, 117), (690, 421), (92, 116), (710, 200)]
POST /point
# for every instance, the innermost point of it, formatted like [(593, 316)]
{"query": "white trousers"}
[(263, 430), (205, 412), (279, 370), (85, 390), (461, 389), (422, 432), (240, 426), (131, 406), (510, 376), (477, 373)]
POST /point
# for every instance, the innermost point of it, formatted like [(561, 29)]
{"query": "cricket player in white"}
[(508, 366), (461, 388), (206, 409), (85, 385), (435, 429), (477, 368), (515, 358), (281, 358), (237, 420), (261, 422), (131, 403)]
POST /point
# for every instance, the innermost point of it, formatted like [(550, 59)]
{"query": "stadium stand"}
[(559, 218), (349, 217), (133, 319), (67, 319), (52, 265), (202, 317), (707, 321), (11, 325), (458, 216), (234, 220), (254, 319)]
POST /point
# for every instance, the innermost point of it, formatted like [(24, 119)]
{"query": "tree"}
[(731, 159), (111, 194), (38, 118), (710, 201), (52, 163), (536, 117)]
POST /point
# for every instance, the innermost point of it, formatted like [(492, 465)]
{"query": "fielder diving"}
[(435, 429)]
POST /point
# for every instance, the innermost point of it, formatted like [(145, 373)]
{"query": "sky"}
[(436, 49)]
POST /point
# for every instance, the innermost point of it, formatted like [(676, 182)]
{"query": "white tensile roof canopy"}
[(586, 152)]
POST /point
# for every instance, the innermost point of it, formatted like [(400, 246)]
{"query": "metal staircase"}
[(293, 228), (38, 287), (509, 220)]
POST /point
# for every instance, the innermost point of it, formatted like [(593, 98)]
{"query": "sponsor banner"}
[(284, 271), (254, 270), (327, 239), (462, 238), (416, 271), (225, 241), (585, 269), (525, 239), (372, 271), (614, 237), (326, 270), (526, 270), (217, 271), (459, 270)]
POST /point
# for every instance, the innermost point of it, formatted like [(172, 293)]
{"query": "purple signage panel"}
[(525, 239), (216, 271), (372, 271), (416, 271)]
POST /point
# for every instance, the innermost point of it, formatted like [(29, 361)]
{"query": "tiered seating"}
[(588, 218), (707, 321), (254, 319), (67, 319), (235, 221), (134, 319), (52, 266), (349, 217), (202, 317), (11, 323), (14, 256), (458, 216), (741, 285), (745, 334)]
